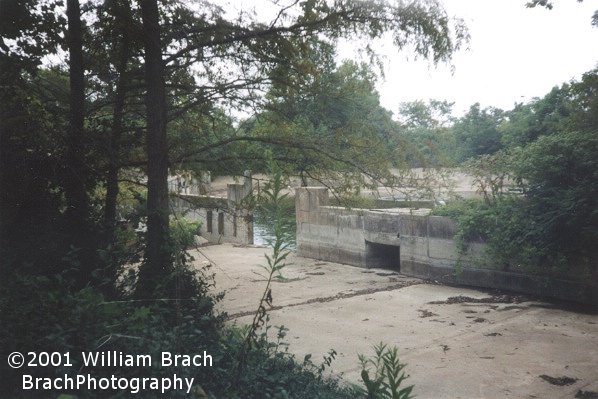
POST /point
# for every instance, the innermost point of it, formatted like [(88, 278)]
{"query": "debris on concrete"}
[(492, 299), (426, 313), (586, 395), (560, 381)]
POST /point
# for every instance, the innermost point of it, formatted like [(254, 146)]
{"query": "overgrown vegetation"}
[(539, 194)]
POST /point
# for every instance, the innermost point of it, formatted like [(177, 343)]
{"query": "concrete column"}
[(237, 192), (247, 182), (205, 182), (309, 199)]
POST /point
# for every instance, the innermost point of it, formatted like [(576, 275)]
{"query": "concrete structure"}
[(222, 219), (416, 244), (188, 184)]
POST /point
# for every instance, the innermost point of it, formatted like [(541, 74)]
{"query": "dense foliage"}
[(540, 192)]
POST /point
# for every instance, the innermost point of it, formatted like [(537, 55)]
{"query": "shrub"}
[(387, 375), (549, 223), (183, 232)]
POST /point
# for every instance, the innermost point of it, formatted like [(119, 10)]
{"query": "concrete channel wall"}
[(416, 244), (223, 220)]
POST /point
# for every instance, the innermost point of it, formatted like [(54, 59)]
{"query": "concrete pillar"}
[(237, 192), (247, 182), (309, 199), (205, 182)]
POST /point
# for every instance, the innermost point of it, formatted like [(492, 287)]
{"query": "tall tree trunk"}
[(123, 16), (157, 263), (79, 232), (76, 175)]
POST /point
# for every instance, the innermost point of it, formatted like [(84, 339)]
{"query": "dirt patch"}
[(560, 381), (494, 334)]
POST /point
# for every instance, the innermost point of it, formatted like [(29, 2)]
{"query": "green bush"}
[(45, 314), (559, 177), (183, 232), (59, 320), (549, 223), (500, 224)]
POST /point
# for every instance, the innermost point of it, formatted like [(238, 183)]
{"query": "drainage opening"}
[(383, 256)]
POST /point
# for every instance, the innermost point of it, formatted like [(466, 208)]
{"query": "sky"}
[(515, 54)]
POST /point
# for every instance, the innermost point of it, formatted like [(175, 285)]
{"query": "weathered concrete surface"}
[(460, 350), (223, 219), (419, 245)]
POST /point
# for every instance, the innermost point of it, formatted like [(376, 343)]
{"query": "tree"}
[(527, 122), (476, 133), (29, 30), (76, 175), (548, 224), (32, 124), (426, 130), (330, 124), (558, 175), (122, 14), (157, 263), (430, 114), (570, 106), (584, 107), (549, 4)]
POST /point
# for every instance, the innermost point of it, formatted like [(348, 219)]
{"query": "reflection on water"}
[(263, 225)]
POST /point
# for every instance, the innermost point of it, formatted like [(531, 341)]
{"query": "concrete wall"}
[(222, 219), (418, 245), (188, 184), (325, 232)]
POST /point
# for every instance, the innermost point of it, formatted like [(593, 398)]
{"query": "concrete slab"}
[(467, 349)]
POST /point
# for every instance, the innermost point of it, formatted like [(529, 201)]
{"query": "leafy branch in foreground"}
[(388, 374), (274, 202)]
